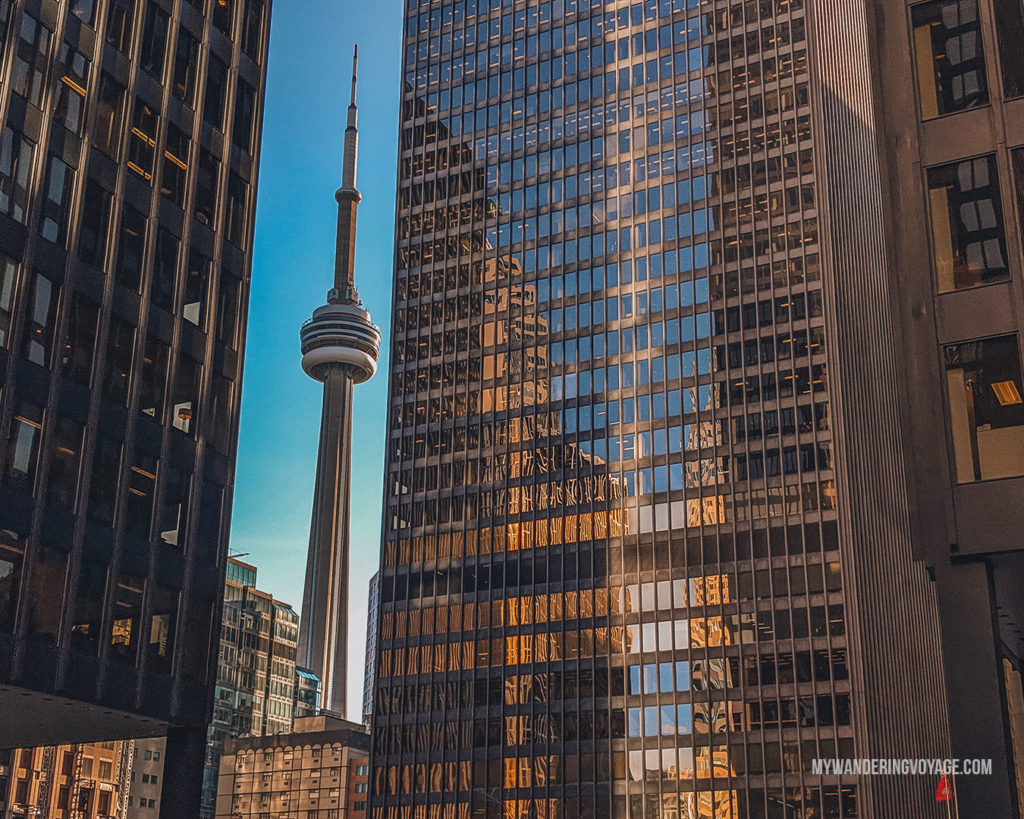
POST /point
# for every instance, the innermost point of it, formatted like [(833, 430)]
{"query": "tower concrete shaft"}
[(340, 345)]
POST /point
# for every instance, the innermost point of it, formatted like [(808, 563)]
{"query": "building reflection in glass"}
[(610, 583)]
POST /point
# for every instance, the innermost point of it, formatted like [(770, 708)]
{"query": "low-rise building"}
[(319, 771)]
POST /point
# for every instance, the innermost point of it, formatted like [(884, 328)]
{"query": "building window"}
[(142, 140), (1009, 35), (196, 281), (56, 208), (120, 349), (236, 212), (252, 28), (227, 308), (95, 225), (216, 92), (8, 284), (245, 116), (23, 444), (41, 320), (223, 16), (12, 561), (986, 412), (186, 67), (119, 24), (69, 106), (103, 487), (46, 584), (186, 394), (28, 71), (62, 480), (15, 173), (106, 132), (175, 170), (139, 500), (950, 62), (153, 382), (84, 10), (967, 224), (165, 270), (154, 40), (80, 340), (205, 197), (132, 247)]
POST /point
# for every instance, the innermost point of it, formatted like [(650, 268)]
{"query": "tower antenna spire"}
[(348, 198)]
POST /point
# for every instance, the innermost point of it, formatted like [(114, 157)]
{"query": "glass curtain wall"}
[(610, 581)]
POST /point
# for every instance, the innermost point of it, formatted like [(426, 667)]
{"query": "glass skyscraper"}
[(645, 546)]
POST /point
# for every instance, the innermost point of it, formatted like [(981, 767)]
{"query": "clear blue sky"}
[(307, 97)]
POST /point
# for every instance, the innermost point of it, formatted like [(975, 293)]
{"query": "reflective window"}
[(106, 132), (28, 70), (1009, 20), (131, 248), (223, 15), (119, 24), (106, 464), (236, 213), (118, 363), (142, 139), (227, 308), (968, 245), (154, 40), (197, 277), (15, 173), (175, 165), (8, 284), (205, 197), (216, 92), (41, 320), (84, 10), (165, 270), (12, 565), (153, 380), (252, 27), (139, 500), (56, 205), (948, 52), (245, 116), (69, 102), (986, 412), (65, 466), (23, 444), (94, 230), (79, 340), (186, 67)]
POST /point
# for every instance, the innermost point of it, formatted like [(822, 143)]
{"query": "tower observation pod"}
[(340, 345)]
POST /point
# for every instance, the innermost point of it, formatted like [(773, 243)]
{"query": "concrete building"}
[(129, 138), (647, 540), (952, 131), (321, 771), (88, 781), (256, 674), (146, 779)]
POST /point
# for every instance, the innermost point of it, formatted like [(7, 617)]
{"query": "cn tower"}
[(339, 348)]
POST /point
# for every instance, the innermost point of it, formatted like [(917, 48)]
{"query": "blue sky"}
[(304, 122)]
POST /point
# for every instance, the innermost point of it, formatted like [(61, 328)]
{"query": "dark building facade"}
[(951, 90), (646, 547), (129, 136)]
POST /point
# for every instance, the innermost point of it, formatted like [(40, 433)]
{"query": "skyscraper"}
[(129, 137), (954, 134), (256, 674), (646, 540), (339, 348)]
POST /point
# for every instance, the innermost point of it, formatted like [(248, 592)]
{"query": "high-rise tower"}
[(646, 544), (129, 151), (339, 348)]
